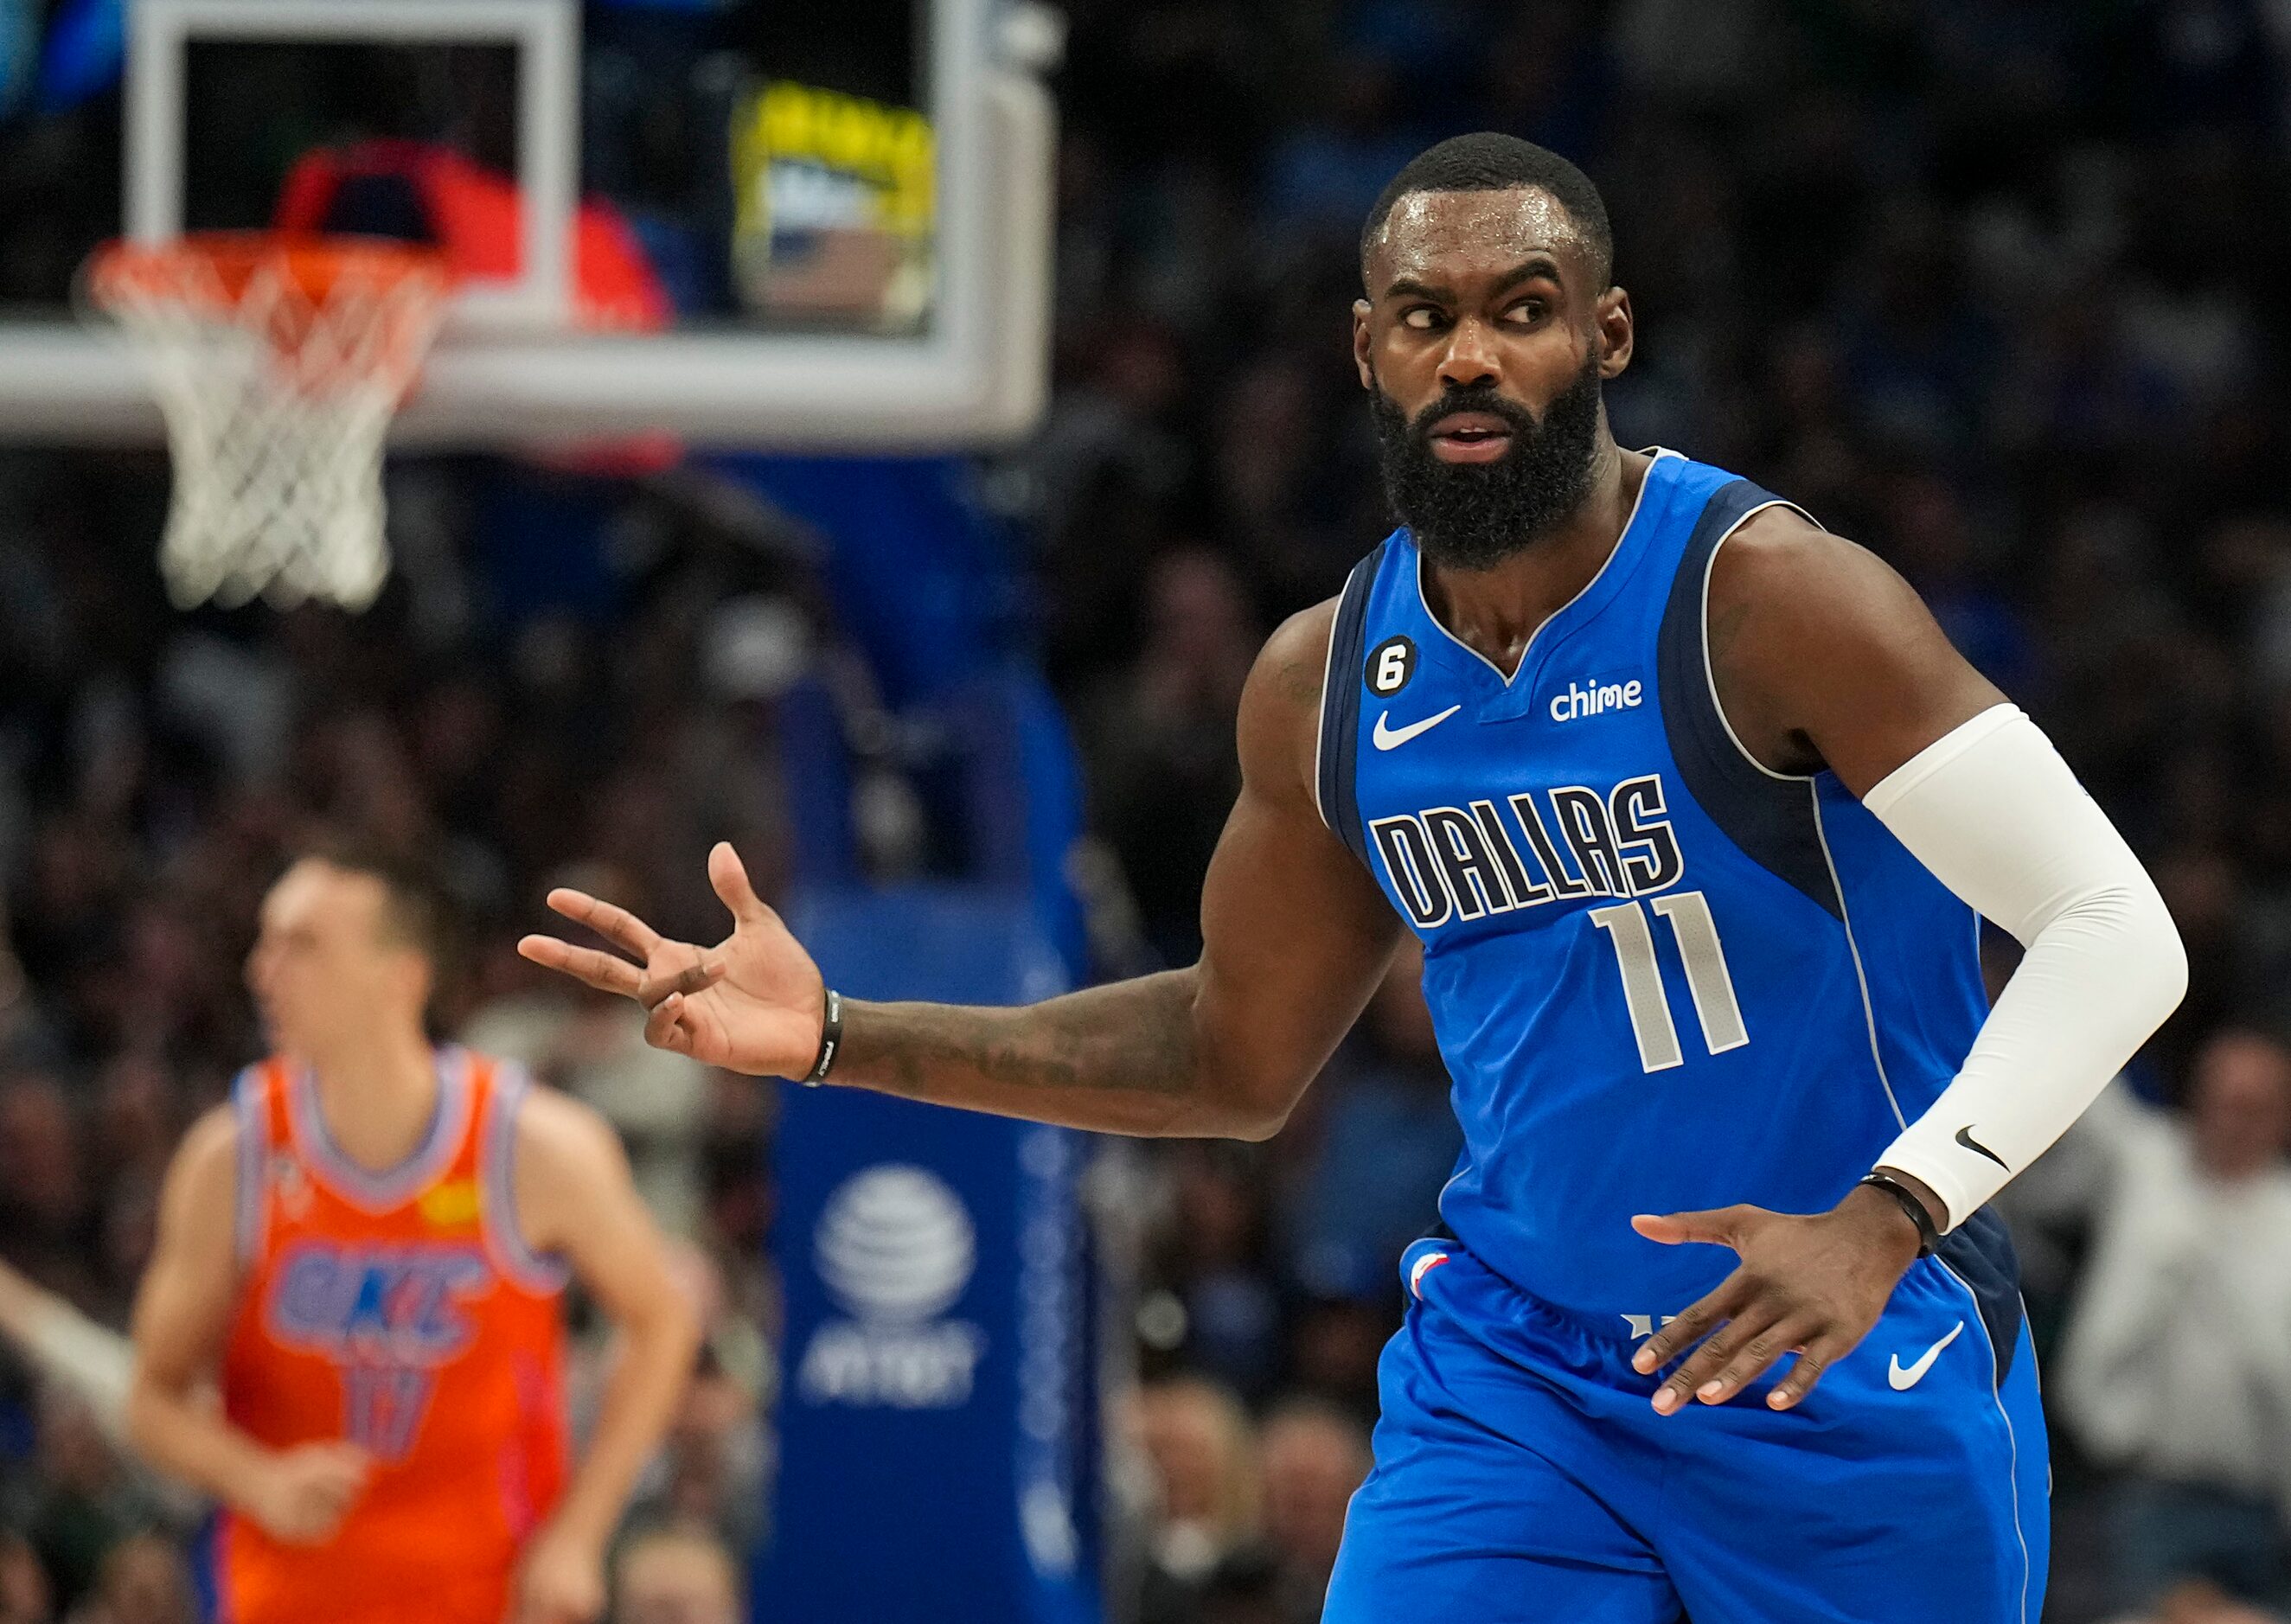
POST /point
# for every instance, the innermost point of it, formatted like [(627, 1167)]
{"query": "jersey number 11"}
[(1689, 913)]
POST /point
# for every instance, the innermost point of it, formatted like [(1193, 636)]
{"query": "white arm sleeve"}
[(89, 1359), (1997, 816)]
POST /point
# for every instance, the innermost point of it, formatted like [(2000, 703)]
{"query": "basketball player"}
[(1694, 809), (371, 1240)]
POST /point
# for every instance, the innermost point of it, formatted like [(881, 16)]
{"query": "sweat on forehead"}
[(1429, 231)]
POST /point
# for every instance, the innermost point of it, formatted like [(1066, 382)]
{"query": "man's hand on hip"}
[(1810, 1285)]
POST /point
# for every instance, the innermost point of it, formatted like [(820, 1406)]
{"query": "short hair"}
[(418, 905), (1492, 162)]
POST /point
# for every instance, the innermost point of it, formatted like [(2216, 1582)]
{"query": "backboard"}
[(845, 212)]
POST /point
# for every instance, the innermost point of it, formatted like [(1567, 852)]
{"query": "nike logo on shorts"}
[(1903, 1381)]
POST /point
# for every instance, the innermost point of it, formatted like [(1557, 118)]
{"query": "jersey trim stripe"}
[(1758, 809), (1853, 948), (378, 1192), (1709, 677), (1337, 754), (251, 1109), (1979, 1252), (514, 1255), (2000, 1350), (1320, 726)]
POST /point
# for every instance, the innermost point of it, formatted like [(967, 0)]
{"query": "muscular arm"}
[(1295, 935), (576, 1200), (182, 1310), (1824, 657), (1836, 657)]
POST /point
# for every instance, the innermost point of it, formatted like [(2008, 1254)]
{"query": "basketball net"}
[(278, 361)]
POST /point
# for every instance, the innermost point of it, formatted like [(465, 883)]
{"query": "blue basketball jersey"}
[(1663, 976)]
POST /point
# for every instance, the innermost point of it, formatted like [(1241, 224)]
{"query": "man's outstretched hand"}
[(1810, 1285), (753, 1002)]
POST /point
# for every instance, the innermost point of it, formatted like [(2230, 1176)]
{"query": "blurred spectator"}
[(1163, 771), (710, 1474), (675, 1574), (88, 1501), (44, 1209), (1335, 1344), (1314, 1457), (1383, 1142), (25, 1597), (1245, 1589), (2197, 1601), (591, 1045), (1215, 1260), (1197, 1441), (1322, 179), (18, 1015), (144, 1580), (2177, 1364), (1933, 543)]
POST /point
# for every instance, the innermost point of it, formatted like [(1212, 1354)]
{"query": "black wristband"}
[(1928, 1237), (831, 1040)]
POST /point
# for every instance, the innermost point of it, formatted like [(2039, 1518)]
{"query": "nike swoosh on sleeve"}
[(1393, 738), (1965, 1137)]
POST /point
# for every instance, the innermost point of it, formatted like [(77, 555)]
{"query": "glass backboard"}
[(818, 223)]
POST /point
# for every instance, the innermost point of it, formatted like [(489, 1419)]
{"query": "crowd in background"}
[(1994, 288), (597, 726)]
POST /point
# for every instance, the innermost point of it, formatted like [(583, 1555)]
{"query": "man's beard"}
[(1475, 515)]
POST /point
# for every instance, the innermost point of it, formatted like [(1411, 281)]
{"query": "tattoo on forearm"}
[(1134, 1037)]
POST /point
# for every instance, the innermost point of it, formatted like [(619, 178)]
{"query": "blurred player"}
[(1693, 807), (371, 1240)]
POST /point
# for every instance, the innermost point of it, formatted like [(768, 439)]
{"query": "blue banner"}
[(936, 1408)]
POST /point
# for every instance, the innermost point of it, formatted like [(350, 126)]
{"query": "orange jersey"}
[(403, 1312)]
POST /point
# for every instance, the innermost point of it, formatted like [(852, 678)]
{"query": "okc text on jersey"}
[(398, 1303)]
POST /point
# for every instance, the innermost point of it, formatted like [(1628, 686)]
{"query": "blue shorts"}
[(1521, 1475)]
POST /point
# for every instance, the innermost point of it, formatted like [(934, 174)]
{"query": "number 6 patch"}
[(1390, 665)]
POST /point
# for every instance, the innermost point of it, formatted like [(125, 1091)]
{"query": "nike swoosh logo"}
[(1393, 738), (1965, 1137), (1903, 1381)]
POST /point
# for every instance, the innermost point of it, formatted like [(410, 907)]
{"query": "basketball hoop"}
[(278, 360)]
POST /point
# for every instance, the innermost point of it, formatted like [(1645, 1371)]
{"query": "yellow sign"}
[(836, 198)]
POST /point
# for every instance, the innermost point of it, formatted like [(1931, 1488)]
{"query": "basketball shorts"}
[(1522, 1476)]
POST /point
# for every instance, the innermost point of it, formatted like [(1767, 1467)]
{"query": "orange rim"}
[(381, 296), (228, 260)]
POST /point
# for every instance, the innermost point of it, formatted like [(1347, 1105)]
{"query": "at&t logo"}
[(895, 1249)]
